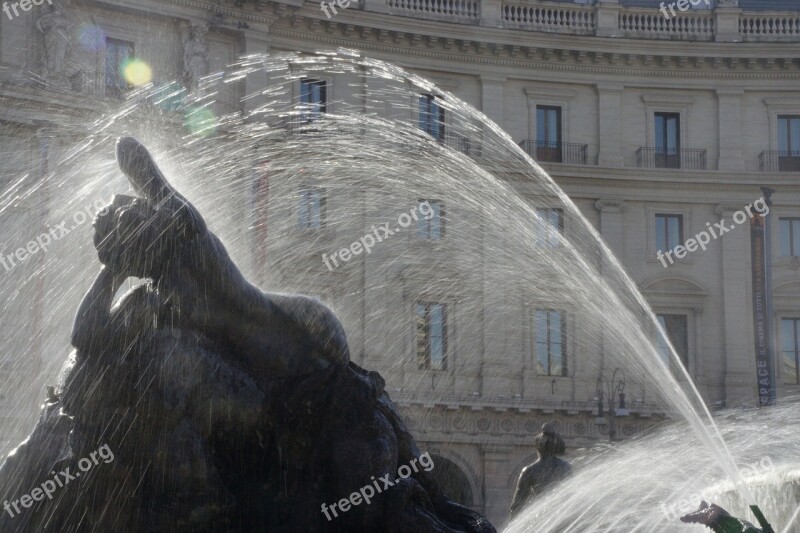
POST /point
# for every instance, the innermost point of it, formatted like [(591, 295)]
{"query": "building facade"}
[(656, 126)]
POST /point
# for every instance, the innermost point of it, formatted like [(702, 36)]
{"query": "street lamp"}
[(611, 389)]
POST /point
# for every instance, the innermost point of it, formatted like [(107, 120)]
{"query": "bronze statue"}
[(719, 520), (227, 408), (547, 469)]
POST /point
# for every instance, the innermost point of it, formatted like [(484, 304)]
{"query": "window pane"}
[(795, 233), (672, 134), (660, 141), (542, 366), (556, 348), (436, 334), (783, 134), (784, 235), (663, 344), (435, 223), (794, 135), (789, 345), (552, 126), (421, 336), (661, 233), (674, 231), (541, 124)]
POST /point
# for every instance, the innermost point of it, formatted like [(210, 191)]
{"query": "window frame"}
[(430, 99), (303, 208), (663, 156), (544, 225), (117, 90), (792, 251), (563, 342), (683, 348), (423, 346), (667, 216), (424, 225), (315, 109), (796, 325)]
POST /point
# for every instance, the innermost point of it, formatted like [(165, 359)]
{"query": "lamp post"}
[(611, 389)]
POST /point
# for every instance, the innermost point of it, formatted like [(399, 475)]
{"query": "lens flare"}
[(137, 72)]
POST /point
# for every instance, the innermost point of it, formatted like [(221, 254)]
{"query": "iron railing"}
[(557, 152), (660, 157), (779, 161)]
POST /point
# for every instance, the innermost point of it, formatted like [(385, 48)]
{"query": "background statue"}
[(547, 469), (55, 27), (195, 55), (719, 520)]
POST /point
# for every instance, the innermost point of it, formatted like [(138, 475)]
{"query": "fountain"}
[(374, 164)]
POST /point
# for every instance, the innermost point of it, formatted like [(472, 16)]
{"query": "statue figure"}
[(195, 55), (227, 408), (547, 469), (719, 520), (54, 26)]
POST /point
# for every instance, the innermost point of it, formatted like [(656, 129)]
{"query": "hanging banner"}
[(762, 304)]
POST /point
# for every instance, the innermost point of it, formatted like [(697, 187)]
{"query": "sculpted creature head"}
[(149, 234)]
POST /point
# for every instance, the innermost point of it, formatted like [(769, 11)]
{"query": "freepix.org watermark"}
[(690, 502), (366, 493), (60, 480), (683, 5), (719, 229), (25, 5), (378, 234), (43, 241)]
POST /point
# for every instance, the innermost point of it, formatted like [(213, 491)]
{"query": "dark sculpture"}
[(226, 408), (719, 520), (547, 469)]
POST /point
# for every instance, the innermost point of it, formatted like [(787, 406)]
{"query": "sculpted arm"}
[(92, 326)]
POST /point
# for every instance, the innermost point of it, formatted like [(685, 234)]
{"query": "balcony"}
[(679, 158), (779, 161), (556, 152), (456, 141)]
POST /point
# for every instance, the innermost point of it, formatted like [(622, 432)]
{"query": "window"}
[(551, 333), (430, 224), (314, 97), (431, 320), (118, 53), (548, 133), (789, 234), (677, 330), (668, 140), (549, 226), (669, 232), (790, 346), (431, 116), (311, 209), (789, 143)]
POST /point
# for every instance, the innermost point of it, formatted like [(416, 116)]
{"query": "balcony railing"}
[(456, 141), (779, 161), (604, 19), (684, 158), (556, 152)]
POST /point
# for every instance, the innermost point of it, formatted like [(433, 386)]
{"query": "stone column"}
[(497, 492), (256, 41), (730, 130), (609, 102), (739, 363), (492, 96)]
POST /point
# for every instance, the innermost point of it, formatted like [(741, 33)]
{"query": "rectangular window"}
[(790, 346), (549, 226), (430, 224), (314, 97), (118, 53), (431, 116), (551, 343), (668, 140), (677, 328), (789, 235), (431, 322), (669, 232), (548, 134), (311, 209), (789, 143)]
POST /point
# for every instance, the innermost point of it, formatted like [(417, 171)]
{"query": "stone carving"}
[(195, 55), (227, 408), (547, 469), (54, 26), (719, 520)]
